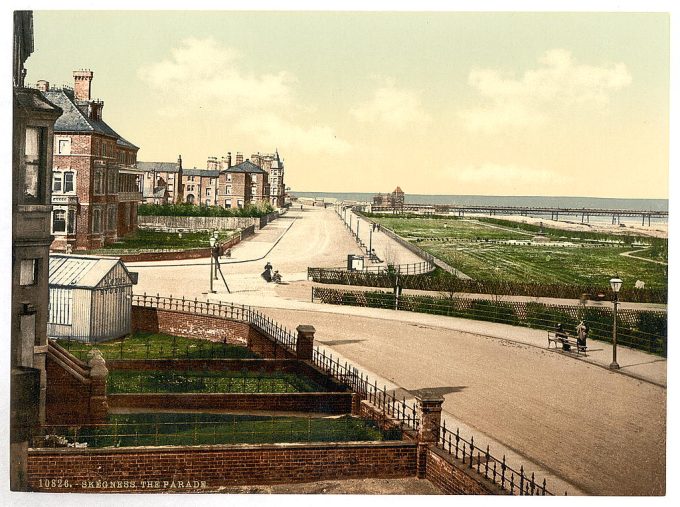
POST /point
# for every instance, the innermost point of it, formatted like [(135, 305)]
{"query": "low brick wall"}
[(322, 403), (194, 325), (207, 468), (453, 478)]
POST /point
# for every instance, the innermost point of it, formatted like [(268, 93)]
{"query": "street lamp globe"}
[(616, 284), (213, 240), (216, 234)]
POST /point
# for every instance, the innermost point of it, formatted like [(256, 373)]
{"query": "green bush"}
[(259, 209)]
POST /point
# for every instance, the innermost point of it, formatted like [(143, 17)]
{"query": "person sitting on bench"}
[(582, 333), (562, 336)]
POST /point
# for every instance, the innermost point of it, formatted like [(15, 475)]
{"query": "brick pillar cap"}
[(305, 328), (429, 397)]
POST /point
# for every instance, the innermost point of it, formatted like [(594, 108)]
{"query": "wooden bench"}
[(572, 342)]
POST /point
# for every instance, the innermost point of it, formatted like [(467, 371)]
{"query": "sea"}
[(529, 200)]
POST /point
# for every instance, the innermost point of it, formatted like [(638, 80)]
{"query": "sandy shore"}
[(655, 231)]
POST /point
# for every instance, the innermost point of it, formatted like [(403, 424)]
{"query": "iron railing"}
[(279, 334), (484, 463), (360, 383), (518, 313)]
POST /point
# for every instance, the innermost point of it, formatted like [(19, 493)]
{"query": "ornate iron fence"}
[(642, 330), (507, 478)]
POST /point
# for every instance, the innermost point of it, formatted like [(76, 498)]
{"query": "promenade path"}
[(585, 428)]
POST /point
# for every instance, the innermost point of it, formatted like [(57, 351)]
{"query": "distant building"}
[(394, 200), (90, 298), (95, 185), (32, 142), (220, 184), (273, 165)]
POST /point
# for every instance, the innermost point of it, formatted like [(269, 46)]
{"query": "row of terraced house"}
[(222, 183)]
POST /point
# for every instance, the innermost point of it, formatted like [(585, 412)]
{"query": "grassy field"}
[(158, 346), (584, 264), (129, 381), (142, 240), (125, 430)]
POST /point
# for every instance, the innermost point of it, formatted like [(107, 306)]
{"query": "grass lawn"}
[(583, 265), (125, 430), (128, 381), (142, 240), (159, 346)]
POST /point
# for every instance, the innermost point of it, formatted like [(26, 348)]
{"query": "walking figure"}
[(582, 332)]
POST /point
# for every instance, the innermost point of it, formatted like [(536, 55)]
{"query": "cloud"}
[(202, 77), (391, 106), (559, 82), (510, 175)]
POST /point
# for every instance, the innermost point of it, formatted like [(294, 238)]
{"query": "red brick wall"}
[(216, 466), (326, 403), (451, 477), (192, 325), (189, 325)]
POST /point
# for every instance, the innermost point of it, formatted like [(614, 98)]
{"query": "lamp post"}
[(212, 240), (370, 242), (616, 287), (357, 227)]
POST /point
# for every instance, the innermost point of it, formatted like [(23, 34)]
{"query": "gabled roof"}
[(73, 119), (398, 190), (245, 167), (82, 271), (166, 167)]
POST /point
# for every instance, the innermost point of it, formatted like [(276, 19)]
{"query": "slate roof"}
[(28, 98), (206, 173), (245, 167), (79, 270), (73, 119), (166, 167)]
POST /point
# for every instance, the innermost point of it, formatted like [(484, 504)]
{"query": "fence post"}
[(304, 347), (429, 406)]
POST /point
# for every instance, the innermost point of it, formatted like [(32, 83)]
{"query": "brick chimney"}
[(228, 160), (239, 158), (43, 85), (95, 109), (82, 84)]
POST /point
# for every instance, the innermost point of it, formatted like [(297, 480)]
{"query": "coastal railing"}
[(639, 329)]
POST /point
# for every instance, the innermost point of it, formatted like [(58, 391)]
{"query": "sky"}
[(435, 102)]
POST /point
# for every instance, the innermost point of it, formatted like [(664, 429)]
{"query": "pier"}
[(553, 213)]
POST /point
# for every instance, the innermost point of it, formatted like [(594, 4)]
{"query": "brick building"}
[(95, 186), (33, 131), (273, 165), (220, 184)]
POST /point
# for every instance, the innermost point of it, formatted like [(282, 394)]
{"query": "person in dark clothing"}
[(562, 336), (267, 273)]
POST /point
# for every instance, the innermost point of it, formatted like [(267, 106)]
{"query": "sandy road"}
[(599, 430)]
